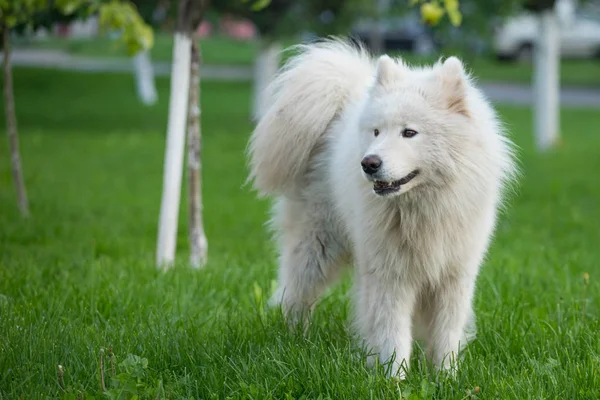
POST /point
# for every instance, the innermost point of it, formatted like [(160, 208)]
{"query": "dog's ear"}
[(387, 71), (452, 76)]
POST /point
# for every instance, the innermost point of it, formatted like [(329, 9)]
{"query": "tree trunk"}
[(11, 128), (189, 17), (198, 242), (546, 81), (144, 77), (265, 68), (173, 164)]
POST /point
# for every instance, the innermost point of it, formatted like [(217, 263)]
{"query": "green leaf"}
[(453, 13), (451, 5), (10, 21), (260, 4), (455, 17), (124, 17), (257, 5), (431, 13), (68, 7), (258, 295)]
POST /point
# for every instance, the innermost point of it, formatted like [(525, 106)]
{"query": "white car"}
[(579, 38)]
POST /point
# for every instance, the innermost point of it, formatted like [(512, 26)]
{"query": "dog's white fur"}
[(418, 251)]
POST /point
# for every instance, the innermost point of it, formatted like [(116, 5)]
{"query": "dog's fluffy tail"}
[(305, 96)]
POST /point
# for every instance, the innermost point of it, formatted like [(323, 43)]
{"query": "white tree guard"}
[(546, 81), (265, 68), (144, 78), (173, 163)]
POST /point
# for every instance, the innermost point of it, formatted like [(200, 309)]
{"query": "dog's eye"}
[(376, 132), (408, 133)]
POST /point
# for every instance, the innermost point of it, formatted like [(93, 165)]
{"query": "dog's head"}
[(413, 123)]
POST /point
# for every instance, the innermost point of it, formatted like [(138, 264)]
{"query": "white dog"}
[(400, 170)]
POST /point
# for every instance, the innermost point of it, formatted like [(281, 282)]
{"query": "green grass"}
[(79, 275), (225, 51)]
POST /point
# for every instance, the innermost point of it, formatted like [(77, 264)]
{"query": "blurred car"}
[(580, 38), (400, 33)]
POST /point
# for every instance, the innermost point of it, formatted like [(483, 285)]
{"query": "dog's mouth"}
[(383, 188)]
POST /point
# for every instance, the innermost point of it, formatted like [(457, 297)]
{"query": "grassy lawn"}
[(78, 277), (221, 50)]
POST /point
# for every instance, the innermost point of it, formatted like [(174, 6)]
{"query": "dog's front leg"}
[(452, 321), (385, 307)]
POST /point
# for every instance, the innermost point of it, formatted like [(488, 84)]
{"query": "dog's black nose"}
[(371, 164)]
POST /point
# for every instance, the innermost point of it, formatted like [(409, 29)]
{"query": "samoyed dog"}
[(399, 171)]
